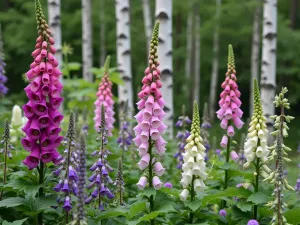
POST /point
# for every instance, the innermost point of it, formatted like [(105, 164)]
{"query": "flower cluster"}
[(182, 135), (42, 129), (105, 97), (255, 146), (150, 126), (17, 122), (205, 126), (194, 165), (100, 178), (230, 113), (119, 183), (3, 78), (67, 170), (279, 152)]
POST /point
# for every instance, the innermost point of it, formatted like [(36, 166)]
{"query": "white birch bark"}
[(125, 92), (215, 65), (196, 89), (147, 21), (87, 53), (189, 37), (163, 13), (102, 33), (268, 64), (256, 36)]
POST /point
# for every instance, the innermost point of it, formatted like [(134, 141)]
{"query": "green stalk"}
[(226, 179), (151, 199), (255, 209), (5, 168), (192, 198), (41, 190)]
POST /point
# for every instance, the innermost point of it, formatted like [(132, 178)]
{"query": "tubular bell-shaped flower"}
[(205, 126), (100, 178), (105, 97), (194, 166), (230, 113), (3, 78), (182, 135), (279, 153), (150, 126), (16, 124), (68, 168), (255, 148), (42, 129)]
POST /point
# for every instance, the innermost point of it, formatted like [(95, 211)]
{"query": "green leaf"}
[(225, 166), (194, 206), (148, 192), (12, 202), (166, 208), (244, 206), (137, 208), (146, 217), (17, 222), (258, 198), (115, 78), (113, 212), (292, 216), (74, 66)]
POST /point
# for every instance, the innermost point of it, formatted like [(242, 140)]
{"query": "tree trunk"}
[(268, 64), (87, 53), (293, 13), (189, 37), (215, 65), (124, 54), (196, 89), (102, 33), (163, 14), (55, 28), (147, 21), (256, 36)]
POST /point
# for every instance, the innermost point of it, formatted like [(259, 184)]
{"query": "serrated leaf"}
[(13, 202), (258, 198), (244, 206), (194, 206), (17, 222)]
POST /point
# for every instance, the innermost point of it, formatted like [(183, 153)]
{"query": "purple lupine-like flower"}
[(105, 97), (42, 128), (3, 78), (222, 212), (230, 113), (125, 137), (68, 168), (252, 222), (100, 179), (149, 118), (168, 185), (205, 130), (182, 124)]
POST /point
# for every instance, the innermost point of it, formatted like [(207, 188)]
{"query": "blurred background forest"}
[(235, 26)]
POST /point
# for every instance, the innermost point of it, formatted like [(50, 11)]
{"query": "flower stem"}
[(255, 209), (5, 168), (192, 198), (151, 199), (41, 190), (226, 179)]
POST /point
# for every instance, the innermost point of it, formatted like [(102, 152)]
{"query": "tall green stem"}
[(192, 198), (255, 209), (226, 179), (41, 190), (5, 168), (151, 199)]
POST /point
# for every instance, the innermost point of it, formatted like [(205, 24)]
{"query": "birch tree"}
[(163, 13), (256, 35), (147, 21), (196, 83), (215, 64), (87, 53), (125, 92), (268, 64), (189, 38), (102, 33)]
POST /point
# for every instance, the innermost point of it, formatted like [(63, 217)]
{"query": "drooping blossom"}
[(230, 113), (149, 118), (252, 222), (16, 124), (3, 78), (119, 183), (168, 185), (205, 126), (43, 126), (105, 97), (68, 168), (100, 178), (279, 153), (194, 166), (182, 134)]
